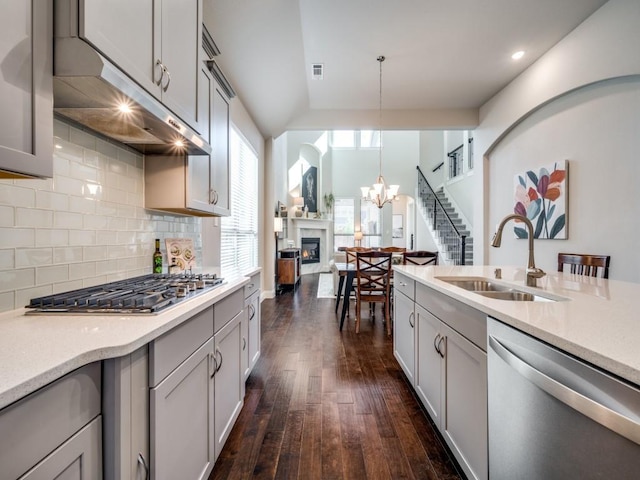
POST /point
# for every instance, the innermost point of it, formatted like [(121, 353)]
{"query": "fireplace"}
[(310, 251)]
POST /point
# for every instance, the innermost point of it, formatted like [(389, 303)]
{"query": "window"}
[(343, 222), (239, 231), (370, 225), (343, 139), (370, 139)]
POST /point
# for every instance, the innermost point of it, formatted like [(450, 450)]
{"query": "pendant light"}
[(380, 194)]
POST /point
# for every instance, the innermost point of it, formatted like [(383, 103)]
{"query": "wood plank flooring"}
[(325, 404)]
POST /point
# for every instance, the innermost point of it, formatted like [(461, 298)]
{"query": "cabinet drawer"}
[(404, 284), (42, 421), (253, 286), (467, 321), (226, 309), (174, 347)]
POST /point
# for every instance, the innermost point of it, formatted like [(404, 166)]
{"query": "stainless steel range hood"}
[(86, 89)]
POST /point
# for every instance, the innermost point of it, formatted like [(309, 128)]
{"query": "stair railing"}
[(454, 242)]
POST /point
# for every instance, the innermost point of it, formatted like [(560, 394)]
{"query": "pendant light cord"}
[(380, 60)]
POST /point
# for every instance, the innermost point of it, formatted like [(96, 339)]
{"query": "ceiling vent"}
[(317, 71)]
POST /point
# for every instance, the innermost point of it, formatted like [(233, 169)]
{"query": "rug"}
[(325, 286)]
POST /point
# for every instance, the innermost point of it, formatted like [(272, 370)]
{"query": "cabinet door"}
[(123, 31), (429, 365), (26, 92), (465, 421), (79, 458), (181, 40), (244, 332), (404, 334), (254, 329), (220, 152), (228, 379), (181, 422)]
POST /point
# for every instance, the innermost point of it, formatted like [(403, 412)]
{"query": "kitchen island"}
[(595, 319), (443, 344)]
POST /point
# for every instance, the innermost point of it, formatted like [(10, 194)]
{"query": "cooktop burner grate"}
[(146, 294)]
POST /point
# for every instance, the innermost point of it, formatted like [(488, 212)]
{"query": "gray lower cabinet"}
[(252, 305), (450, 376), (26, 89), (79, 458), (182, 420), (228, 379), (126, 416), (55, 432), (404, 347)]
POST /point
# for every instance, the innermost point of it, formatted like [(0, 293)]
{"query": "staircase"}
[(451, 235)]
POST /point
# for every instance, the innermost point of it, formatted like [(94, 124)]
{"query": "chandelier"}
[(380, 193)]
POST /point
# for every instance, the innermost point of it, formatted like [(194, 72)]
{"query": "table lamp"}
[(358, 237)]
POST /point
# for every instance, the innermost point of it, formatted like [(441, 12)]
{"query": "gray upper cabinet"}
[(26, 95), (155, 42), (195, 184), (220, 152)]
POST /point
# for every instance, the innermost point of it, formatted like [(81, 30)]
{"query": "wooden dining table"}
[(346, 273)]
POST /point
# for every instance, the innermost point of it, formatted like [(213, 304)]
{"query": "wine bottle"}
[(157, 258)]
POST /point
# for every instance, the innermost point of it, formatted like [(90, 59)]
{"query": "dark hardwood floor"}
[(325, 404)]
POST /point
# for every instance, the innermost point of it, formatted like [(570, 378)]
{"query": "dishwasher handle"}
[(615, 421)]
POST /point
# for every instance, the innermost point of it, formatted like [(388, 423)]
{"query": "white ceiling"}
[(442, 57)]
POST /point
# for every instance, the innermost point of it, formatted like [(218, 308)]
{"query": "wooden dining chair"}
[(350, 253), (582, 264), (420, 257), (393, 249), (373, 284)]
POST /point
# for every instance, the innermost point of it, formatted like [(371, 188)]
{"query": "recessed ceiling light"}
[(518, 55)]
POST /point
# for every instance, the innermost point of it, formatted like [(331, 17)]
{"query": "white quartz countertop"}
[(38, 349), (597, 320)]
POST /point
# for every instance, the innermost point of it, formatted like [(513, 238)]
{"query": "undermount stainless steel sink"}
[(490, 289)]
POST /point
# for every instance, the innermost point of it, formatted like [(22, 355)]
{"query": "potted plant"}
[(328, 203)]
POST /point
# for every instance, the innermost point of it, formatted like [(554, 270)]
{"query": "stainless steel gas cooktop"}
[(147, 294)]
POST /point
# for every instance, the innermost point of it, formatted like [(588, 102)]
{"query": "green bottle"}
[(157, 258)]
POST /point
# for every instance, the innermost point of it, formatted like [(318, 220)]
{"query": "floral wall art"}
[(541, 196)]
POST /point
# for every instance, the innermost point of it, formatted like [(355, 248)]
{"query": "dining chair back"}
[(420, 257), (582, 264), (393, 249), (351, 253), (373, 284)]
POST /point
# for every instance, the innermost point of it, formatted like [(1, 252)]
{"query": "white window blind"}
[(239, 231)]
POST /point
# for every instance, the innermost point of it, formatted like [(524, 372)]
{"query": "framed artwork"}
[(397, 226), (541, 195), (310, 189)]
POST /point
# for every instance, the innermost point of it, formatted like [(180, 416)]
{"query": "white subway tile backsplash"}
[(17, 278), (33, 257), (32, 217), (82, 270), (17, 196), (51, 237), (82, 237), (52, 201), (12, 237), (67, 254), (7, 301), (84, 227), (52, 274), (7, 216), (7, 259), (64, 219)]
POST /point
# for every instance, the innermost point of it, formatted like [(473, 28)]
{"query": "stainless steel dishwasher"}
[(552, 416)]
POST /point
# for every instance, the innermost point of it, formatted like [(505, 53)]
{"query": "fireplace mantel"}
[(314, 227)]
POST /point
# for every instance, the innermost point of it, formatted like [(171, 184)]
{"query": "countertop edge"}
[(163, 323)]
